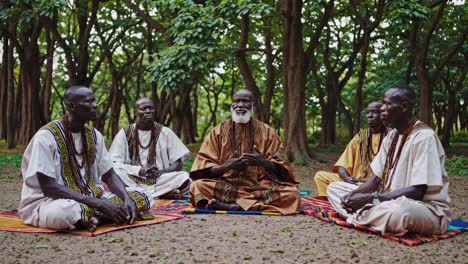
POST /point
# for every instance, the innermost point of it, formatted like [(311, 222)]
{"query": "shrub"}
[(461, 136), (11, 160), (457, 165)]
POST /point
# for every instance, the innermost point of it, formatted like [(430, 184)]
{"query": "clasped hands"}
[(247, 159), (150, 172), (355, 201), (120, 214)]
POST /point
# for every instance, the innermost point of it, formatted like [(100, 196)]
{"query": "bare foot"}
[(92, 223), (172, 195), (214, 204)]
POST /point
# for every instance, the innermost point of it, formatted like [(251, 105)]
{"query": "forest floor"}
[(232, 238)]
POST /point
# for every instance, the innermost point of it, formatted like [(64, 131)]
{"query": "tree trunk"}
[(246, 72), (450, 117), (270, 70), (10, 113), (116, 103), (425, 88), (30, 78), (47, 83), (452, 112), (329, 112), (348, 118), (419, 42), (295, 138), (179, 110), (360, 84), (4, 87), (77, 54)]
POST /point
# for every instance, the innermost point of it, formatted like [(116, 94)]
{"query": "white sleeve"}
[(120, 155), (39, 157), (175, 148), (103, 158), (426, 167)]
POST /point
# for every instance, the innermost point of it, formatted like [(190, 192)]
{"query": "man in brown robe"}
[(240, 167)]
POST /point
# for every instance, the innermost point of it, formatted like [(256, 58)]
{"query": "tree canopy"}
[(312, 65)]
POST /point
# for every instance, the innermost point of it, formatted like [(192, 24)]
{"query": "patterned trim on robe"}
[(270, 194), (141, 200), (71, 174), (225, 192), (130, 135)]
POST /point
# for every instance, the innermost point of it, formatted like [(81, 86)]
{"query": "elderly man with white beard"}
[(240, 166)]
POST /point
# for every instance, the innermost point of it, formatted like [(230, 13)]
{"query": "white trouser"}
[(396, 217)]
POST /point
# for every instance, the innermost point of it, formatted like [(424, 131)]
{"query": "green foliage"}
[(25, 11), (439, 97), (11, 160), (457, 165), (404, 10), (187, 164), (301, 161), (197, 33), (194, 46), (461, 136), (464, 94)]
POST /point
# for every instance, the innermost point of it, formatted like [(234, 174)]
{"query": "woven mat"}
[(321, 208)]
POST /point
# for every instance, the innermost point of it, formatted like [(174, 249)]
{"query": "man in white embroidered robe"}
[(413, 195), (163, 178), (58, 190)]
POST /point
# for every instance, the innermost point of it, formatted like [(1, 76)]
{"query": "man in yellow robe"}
[(353, 165), (240, 167)]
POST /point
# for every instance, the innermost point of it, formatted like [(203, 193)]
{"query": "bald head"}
[(74, 93), (374, 105), (81, 103), (243, 93), (373, 115), (402, 93), (141, 101), (144, 111)]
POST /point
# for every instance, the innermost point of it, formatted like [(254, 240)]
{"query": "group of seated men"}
[(394, 181)]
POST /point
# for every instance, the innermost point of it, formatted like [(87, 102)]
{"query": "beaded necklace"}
[(367, 148), (369, 151), (391, 162), (152, 152), (86, 163)]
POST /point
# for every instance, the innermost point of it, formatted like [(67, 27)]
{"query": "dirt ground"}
[(230, 238)]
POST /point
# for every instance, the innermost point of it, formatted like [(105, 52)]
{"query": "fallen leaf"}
[(41, 246)]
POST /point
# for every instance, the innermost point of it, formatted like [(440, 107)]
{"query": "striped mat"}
[(191, 210), (163, 210), (321, 208)]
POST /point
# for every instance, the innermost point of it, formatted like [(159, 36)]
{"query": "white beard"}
[(241, 119)]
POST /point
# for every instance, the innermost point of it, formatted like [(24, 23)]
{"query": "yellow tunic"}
[(252, 188), (351, 160)]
